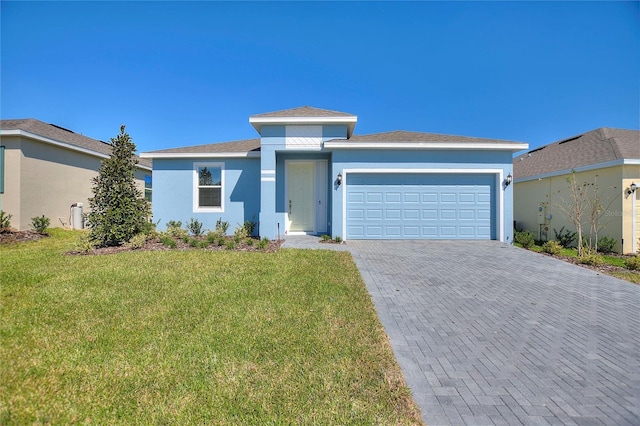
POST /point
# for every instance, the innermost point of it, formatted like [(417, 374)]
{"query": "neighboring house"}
[(607, 158), (308, 174), (44, 169)]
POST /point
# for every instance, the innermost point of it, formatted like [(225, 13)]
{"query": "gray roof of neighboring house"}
[(596, 146), (246, 145), (304, 111), (61, 134)]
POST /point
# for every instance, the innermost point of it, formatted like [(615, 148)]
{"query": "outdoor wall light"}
[(339, 179), (508, 180), (632, 188)]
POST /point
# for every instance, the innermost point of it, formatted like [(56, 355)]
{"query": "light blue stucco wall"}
[(274, 153), (173, 191), (424, 159)]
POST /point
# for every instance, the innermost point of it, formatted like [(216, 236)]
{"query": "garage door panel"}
[(392, 206)]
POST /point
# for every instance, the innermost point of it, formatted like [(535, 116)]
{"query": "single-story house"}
[(45, 169), (307, 173), (607, 158)]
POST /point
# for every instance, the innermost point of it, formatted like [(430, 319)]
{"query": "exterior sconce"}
[(508, 180), (632, 188), (339, 179)]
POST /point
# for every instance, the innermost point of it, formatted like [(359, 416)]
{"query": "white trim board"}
[(499, 173), (428, 145)]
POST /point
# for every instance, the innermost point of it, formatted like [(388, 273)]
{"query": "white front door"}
[(301, 196)]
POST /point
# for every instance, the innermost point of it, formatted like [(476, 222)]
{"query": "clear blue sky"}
[(191, 73)]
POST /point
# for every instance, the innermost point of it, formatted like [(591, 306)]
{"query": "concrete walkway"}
[(489, 334)]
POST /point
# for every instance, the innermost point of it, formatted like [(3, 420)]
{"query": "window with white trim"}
[(208, 194)]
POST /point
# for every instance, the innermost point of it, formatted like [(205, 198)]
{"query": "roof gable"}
[(594, 147)]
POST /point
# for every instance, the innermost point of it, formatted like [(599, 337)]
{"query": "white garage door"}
[(420, 206)]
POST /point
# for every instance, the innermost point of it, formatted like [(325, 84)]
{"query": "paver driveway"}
[(486, 333)]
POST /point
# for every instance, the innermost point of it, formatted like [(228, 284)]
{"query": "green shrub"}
[(337, 239), (193, 242), (83, 244), (249, 242), (195, 227), (632, 263), (174, 224), (230, 244), (606, 244), (222, 226), (263, 243), (565, 238), (552, 247), (40, 224), (240, 233), (524, 238), (325, 237), (5, 221), (249, 226), (591, 258), (137, 242), (168, 241)]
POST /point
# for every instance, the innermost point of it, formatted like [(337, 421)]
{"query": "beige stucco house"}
[(44, 169), (606, 157)]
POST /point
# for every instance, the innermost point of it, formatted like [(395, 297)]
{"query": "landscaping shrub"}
[(325, 237), (632, 263), (230, 244), (606, 244), (524, 238), (552, 247), (240, 233), (174, 229), (564, 238), (83, 244), (195, 227), (193, 243), (222, 226), (5, 221), (174, 224), (249, 227), (263, 243), (40, 224), (590, 258), (137, 242), (337, 239), (168, 241)]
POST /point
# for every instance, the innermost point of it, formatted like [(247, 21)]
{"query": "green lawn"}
[(184, 337)]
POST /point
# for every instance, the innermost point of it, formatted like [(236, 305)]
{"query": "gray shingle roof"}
[(61, 134), (405, 136), (304, 111), (246, 145), (593, 147)]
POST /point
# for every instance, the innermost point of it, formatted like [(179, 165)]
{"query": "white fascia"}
[(258, 122), (252, 154), (514, 147), (612, 163), (18, 132)]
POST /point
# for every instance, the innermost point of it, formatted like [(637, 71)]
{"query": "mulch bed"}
[(605, 268), (10, 236)]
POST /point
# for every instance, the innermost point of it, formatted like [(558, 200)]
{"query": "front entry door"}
[(301, 196)]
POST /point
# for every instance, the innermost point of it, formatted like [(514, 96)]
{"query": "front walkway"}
[(489, 334)]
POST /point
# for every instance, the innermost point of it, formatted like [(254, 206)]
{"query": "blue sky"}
[(191, 73)]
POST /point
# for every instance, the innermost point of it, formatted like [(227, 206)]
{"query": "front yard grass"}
[(192, 337)]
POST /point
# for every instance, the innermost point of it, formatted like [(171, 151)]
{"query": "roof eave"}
[(513, 147), (165, 155), (258, 122)]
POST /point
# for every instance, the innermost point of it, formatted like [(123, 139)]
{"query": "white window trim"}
[(196, 195)]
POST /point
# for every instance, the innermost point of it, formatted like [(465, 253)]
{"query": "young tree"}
[(118, 208)]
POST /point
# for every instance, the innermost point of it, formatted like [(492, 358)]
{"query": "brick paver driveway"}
[(486, 333)]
